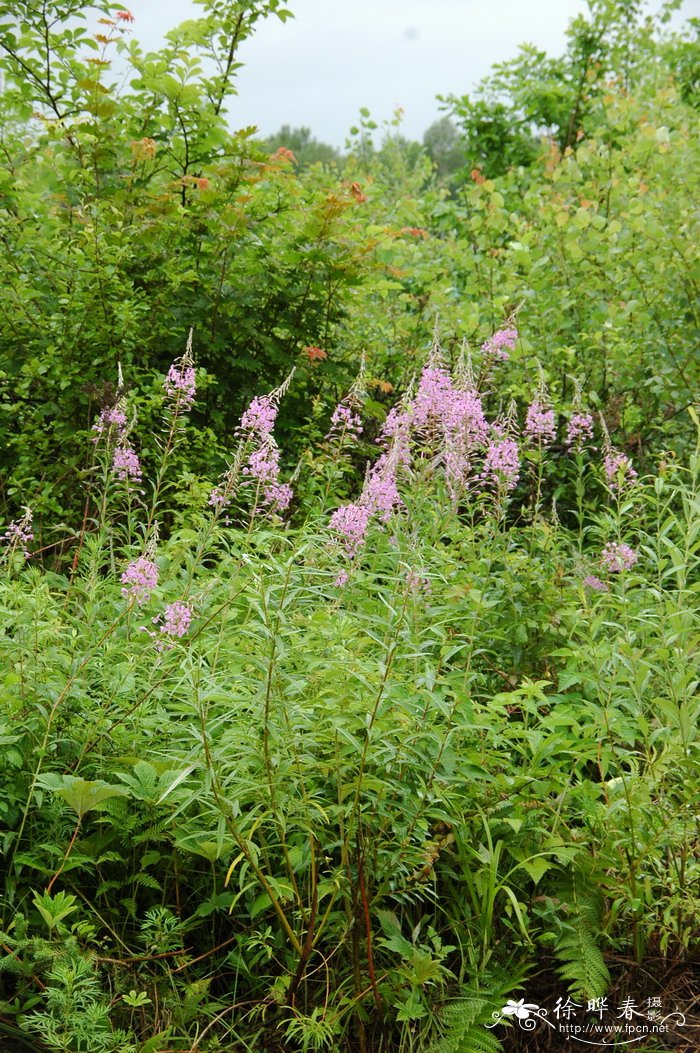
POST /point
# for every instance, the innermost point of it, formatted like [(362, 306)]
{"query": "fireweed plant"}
[(350, 777)]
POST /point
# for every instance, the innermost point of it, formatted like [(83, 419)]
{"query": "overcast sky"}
[(335, 56)]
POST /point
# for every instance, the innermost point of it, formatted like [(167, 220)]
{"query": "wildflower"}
[(111, 417), (617, 557), (180, 383), (465, 428), (342, 579), (502, 461), (125, 16), (351, 522), (263, 461), (345, 422), (540, 423), (434, 395), (175, 619), (417, 583), (260, 416), (579, 429), (501, 343), (381, 493), (592, 582), (618, 470), (396, 432), (616, 466), (19, 534), (139, 579), (125, 462)]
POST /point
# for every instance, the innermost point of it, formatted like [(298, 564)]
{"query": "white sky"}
[(335, 56)]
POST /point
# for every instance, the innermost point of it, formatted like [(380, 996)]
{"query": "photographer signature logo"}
[(596, 1022)]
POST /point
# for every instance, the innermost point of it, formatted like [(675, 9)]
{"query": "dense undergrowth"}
[(343, 728), (347, 785)]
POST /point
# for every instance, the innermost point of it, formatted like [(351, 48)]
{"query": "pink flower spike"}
[(180, 384), (176, 619), (592, 582), (618, 470), (579, 430), (125, 463), (502, 462), (139, 579), (616, 557), (501, 343), (540, 425), (19, 534)]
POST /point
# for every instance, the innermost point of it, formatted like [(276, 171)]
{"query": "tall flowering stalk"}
[(346, 424), (112, 438), (179, 390), (579, 433), (18, 535), (465, 428), (502, 458), (617, 467), (262, 455), (540, 431), (380, 495), (140, 577)]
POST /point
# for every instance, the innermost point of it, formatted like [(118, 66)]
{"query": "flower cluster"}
[(616, 557), (112, 419), (499, 346), (540, 425), (502, 460), (125, 463), (175, 619), (618, 470), (593, 582), (579, 429), (345, 422), (263, 464), (19, 533), (139, 579), (180, 384)]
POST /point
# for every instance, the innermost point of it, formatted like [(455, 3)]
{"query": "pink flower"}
[(502, 461), (257, 424), (501, 343), (180, 385), (260, 416), (351, 522), (618, 470), (345, 422), (175, 619), (434, 396), (579, 430), (540, 423), (125, 463), (19, 534), (592, 582), (342, 579), (109, 418), (617, 557), (139, 579)]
